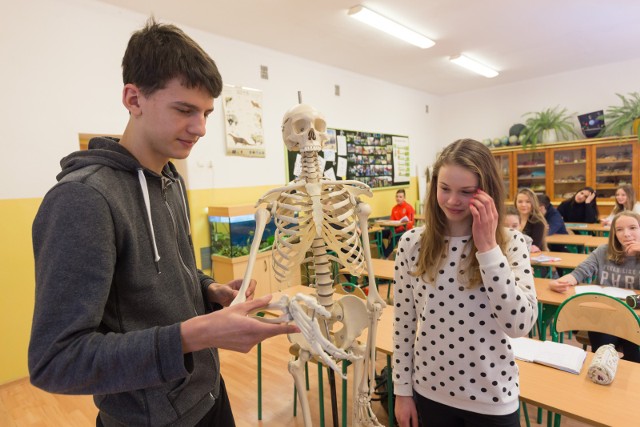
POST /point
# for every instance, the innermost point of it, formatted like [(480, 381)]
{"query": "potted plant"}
[(547, 126), (619, 120)]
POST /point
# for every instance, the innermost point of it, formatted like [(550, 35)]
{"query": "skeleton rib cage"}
[(295, 221)]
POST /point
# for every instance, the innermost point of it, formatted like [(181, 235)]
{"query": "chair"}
[(596, 313)]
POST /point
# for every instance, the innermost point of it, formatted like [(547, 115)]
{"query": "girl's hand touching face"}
[(632, 248), (485, 221)]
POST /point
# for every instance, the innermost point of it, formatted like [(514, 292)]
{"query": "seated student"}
[(555, 223), (532, 222), (615, 264), (581, 207), (625, 201), (551, 215), (512, 220), (402, 211)]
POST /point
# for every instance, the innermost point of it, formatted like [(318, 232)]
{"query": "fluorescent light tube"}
[(474, 66), (370, 17)]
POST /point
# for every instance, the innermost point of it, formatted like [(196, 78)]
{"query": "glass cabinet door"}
[(614, 167), (570, 172), (502, 160), (531, 173)]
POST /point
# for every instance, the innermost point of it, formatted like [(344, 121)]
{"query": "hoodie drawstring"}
[(147, 203)]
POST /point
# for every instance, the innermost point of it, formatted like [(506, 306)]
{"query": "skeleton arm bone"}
[(262, 218)]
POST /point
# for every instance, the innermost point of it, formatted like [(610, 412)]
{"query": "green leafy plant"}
[(619, 119), (551, 118)]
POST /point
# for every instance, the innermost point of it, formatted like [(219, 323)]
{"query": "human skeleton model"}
[(314, 215)]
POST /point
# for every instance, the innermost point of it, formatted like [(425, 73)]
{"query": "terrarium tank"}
[(233, 229)]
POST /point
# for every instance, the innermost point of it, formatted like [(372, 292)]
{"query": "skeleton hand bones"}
[(320, 346)]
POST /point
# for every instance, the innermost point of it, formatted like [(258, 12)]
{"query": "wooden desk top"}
[(580, 398), (546, 296), (577, 239), (388, 223), (581, 226), (567, 259), (382, 268)]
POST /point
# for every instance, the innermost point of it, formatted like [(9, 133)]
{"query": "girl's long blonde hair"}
[(536, 215), (476, 158), (615, 249), (631, 200)]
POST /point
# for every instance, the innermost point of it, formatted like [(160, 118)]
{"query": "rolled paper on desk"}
[(603, 367)]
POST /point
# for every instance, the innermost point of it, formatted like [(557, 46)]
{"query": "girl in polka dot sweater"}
[(463, 285)]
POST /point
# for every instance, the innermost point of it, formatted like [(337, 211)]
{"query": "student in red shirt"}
[(402, 211)]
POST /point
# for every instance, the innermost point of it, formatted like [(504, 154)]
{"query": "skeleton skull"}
[(304, 129)]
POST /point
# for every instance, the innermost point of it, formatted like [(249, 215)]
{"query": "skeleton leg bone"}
[(296, 369)]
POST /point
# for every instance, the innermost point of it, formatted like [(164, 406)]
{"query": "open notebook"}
[(560, 356), (606, 290)]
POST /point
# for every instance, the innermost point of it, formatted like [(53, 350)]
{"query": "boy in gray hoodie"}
[(121, 309)]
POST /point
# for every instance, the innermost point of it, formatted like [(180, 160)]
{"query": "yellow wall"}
[(17, 279), (16, 285)]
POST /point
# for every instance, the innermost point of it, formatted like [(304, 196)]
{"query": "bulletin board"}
[(376, 159)]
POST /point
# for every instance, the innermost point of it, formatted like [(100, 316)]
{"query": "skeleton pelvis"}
[(349, 318)]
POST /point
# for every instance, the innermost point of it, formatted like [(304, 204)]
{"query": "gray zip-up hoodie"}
[(115, 277)]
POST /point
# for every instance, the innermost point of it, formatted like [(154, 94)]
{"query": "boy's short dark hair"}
[(160, 52), (401, 191), (544, 200)]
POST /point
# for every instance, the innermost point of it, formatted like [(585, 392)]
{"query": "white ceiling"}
[(521, 39)]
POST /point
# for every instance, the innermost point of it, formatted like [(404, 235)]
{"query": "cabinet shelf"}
[(608, 162), (572, 165), (532, 166)]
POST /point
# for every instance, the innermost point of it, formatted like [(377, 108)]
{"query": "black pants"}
[(631, 350), (220, 415), (386, 234), (433, 414)]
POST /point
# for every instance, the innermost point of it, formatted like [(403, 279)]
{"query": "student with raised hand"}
[(121, 309), (615, 264), (581, 207), (463, 285), (532, 222), (625, 201)]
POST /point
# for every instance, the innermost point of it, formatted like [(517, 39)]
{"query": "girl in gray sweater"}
[(615, 264)]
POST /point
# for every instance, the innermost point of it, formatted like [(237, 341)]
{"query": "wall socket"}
[(336, 90), (264, 72)]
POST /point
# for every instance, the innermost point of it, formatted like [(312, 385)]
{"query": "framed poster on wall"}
[(376, 159)]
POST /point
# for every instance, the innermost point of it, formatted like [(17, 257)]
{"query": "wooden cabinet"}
[(226, 269), (561, 169)]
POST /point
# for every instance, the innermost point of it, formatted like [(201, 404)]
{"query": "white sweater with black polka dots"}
[(451, 342)]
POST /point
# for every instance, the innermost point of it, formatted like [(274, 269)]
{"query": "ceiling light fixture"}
[(474, 66), (370, 17)]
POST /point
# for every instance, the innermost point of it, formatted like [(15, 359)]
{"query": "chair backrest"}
[(597, 313)]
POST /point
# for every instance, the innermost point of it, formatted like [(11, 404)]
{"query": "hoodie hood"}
[(102, 151)]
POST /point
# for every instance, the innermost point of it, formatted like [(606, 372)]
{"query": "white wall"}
[(61, 76), (490, 113)]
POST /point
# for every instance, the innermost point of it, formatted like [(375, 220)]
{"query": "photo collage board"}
[(376, 159)]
